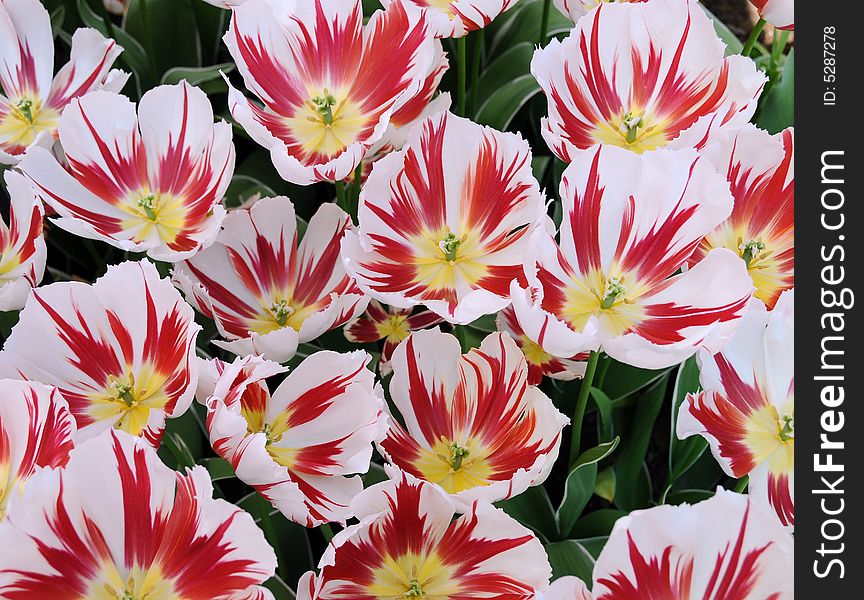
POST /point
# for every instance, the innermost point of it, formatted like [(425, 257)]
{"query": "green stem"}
[(754, 35), (475, 68), (544, 23), (742, 484), (326, 531), (777, 47), (581, 403), (462, 60), (355, 191), (263, 510), (341, 196)]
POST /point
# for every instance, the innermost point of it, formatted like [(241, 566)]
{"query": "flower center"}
[(415, 590), (450, 246), (323, 106), (149, 204), (25, 107), (614, 291), (123, 391), (630, 125), (457, 455), (787, 428), (281, 311), (271, 434), (750, 250)]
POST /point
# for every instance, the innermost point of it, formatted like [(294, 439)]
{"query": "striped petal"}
[(760, 171), (301, 447), (747, 409), (35, 431), (327, 84), (780, 13), (724, 548), (473, 425), (456, 18), (630, 224), (408, 545), (118, 523), (446, 221), (266, 291), (147, 183), (22, 246), (567, 588), (120, 351), (641, 76)]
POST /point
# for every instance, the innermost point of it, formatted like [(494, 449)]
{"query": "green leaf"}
[(605, 485), (684, 453), (598, 522), (733, 44), (596, 454), (486, 324), (578, 490), (280, 589), (604, 408), (58, 15), (570, 558), (777, 109), (219, 468), (522, 24), (623, 380), (500, 72), (170, 31), (534, 510), (594, 545), (631, 457), (502, 105), (196, 75), (243, 188)]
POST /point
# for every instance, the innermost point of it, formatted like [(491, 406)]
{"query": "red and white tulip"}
[(473, 425), (456, 18), (302, 446), (780, 13), (117, 523), (389, 324), (446, 221), (576, 9), (266, 291), (540, 362), (566, 588), (151, 182), (408, 545), (723, 548), (22, 246), (328, 84), (641, 76), (120, 351), (612, 282), (35, 431), (746, 410), (760, 170), (32, 98)]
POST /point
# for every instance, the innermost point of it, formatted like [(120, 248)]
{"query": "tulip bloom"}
[(473, 425), (456, 18), (746, 410), (266, 292), (328, 84), (540, 362), (721, 548), (760, 170), (296, 446), (31, 100), (576, 9), (407, 545), (446, 221), (389, 324), (567, 588), (780, 13), (22, 247), (117, 523), (35, 431), (641, 76), (630, 223), (121, 351), (147, 183)]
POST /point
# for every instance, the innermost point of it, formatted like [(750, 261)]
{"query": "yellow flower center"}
[(26, 119), (282, 312), (138, 584), (612, 299), (327, 123), (634, 130), (413, 576), (395, 328), (151, 212), (443, 258), (127, 400), (455, 466)]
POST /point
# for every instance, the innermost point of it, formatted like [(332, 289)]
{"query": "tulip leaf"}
[(777, 110), (58, 15), (534, 510), (196, 75), (219, 468), (168, 29), (623, 380), (501, 106), (604, 487), (683, 454), (598, 522), (596, 454), (570, 558), (604, 408), (577, 492)]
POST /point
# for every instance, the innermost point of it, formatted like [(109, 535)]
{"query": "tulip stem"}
[(581, 403), (544, 22), (754, 35), (462, 60), (326, 531), (741, 485), (475, 68)]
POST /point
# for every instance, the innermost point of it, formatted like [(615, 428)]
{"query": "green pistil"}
[(415, 591), (450, 246), (281, 311), (148, 205), (614, 291), (323, 105), (751, 250), (268, 433), (787, 432), (630, 125), (457, 453), (123, 391), (25, 107)]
